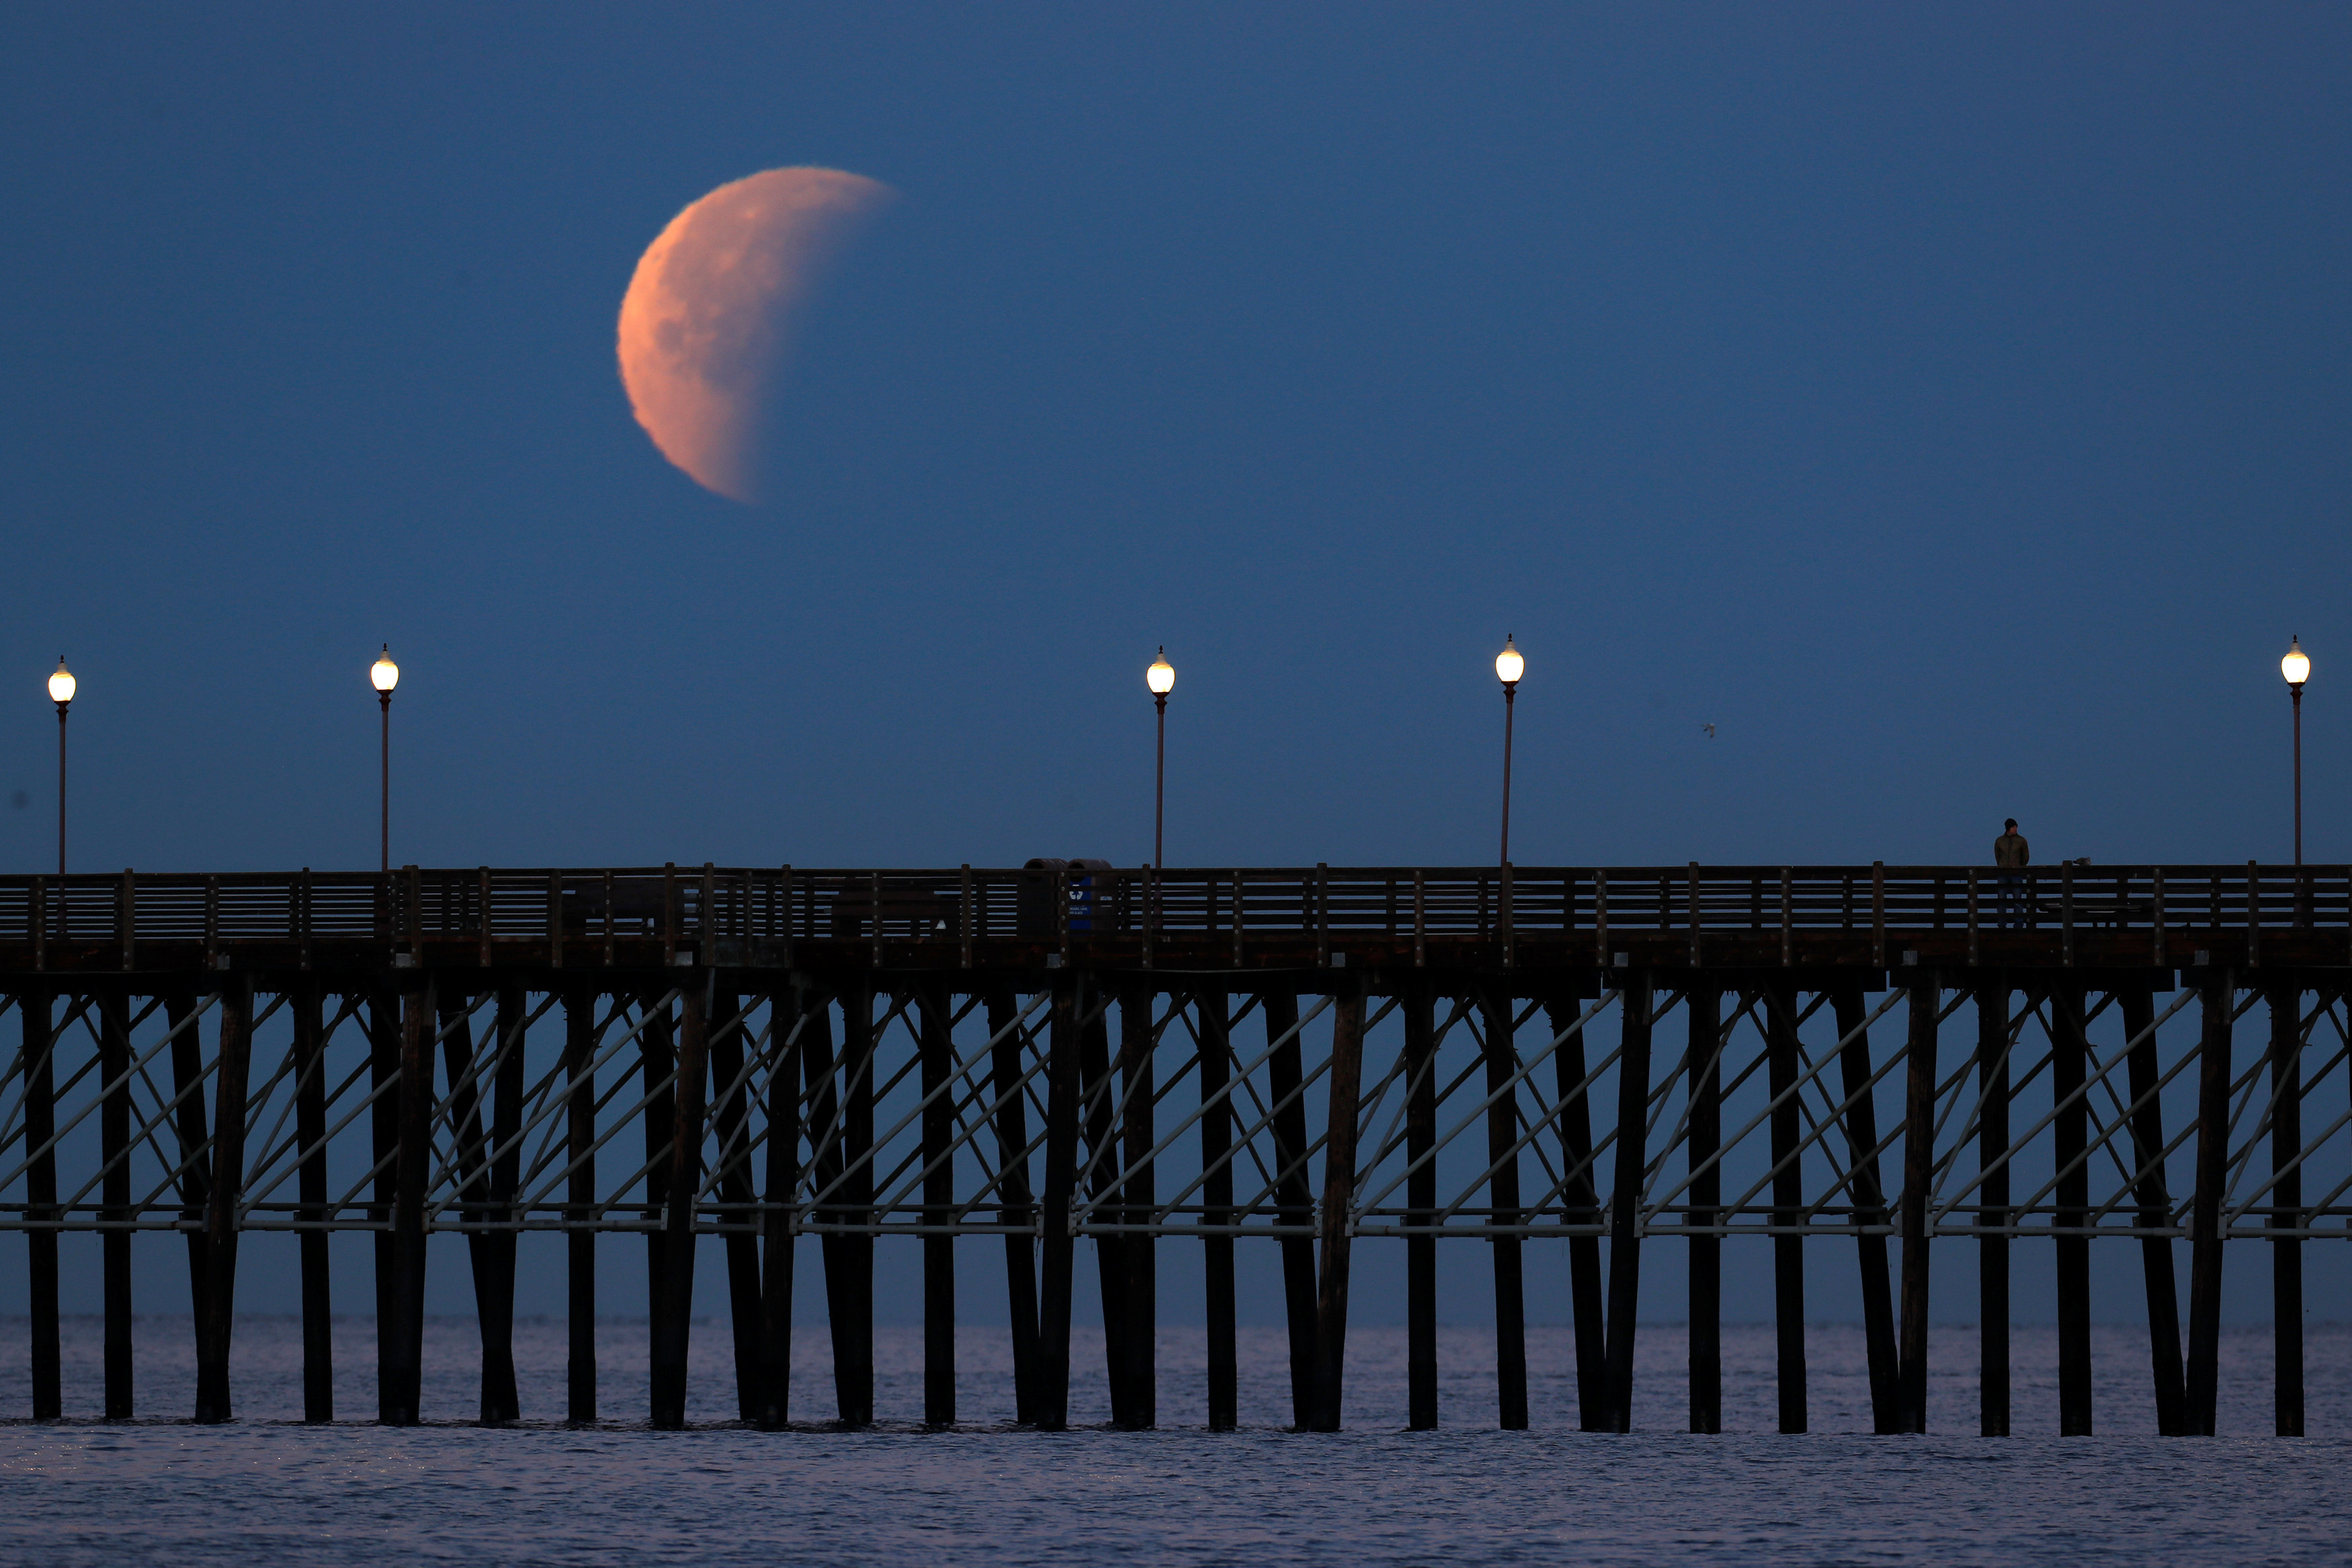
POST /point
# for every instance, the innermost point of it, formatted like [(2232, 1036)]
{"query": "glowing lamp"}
[(1508, 664), (384, 674), (2295, 666), (1161, 676), (61, 684)]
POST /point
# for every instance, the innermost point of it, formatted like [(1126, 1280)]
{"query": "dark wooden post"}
[(1705, 1137), (1217, 1206), (2285, 1000), (1869, 1201), (825, 1143), (1338, 1198), (2154, 1202), (194, 1160), (1992, 1199), (403, 1352), (386, 1031), (579, 1260), (672, 1329), (854, 1341), (1626, 1199), (1502, 1063), (1059, 1247), (212, 1328), (41, 1195), (500, 1400), (2220, 998), (746, 1314), (471, 1165), (310, 1132), (1788, 1206), (1421, 1199), (2071, 1139), (1926, 1003), (1098, 1096), (114, 1148), (1593, 1401), (937, 1055), (1142, 1284), (1017, 1211), (658, 1076), (783, 1180), (1294, 1198)]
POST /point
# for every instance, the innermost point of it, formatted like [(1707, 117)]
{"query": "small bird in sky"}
[(1710, 730)]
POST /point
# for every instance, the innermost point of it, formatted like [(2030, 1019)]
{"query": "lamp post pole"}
[(384, 674), (61, 692), (1161, 678), (1508, 667), (2296, 668)]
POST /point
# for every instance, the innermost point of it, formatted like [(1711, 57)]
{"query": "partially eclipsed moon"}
[(707, 322)]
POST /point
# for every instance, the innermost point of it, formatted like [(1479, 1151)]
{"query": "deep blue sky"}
[(1950, 407)]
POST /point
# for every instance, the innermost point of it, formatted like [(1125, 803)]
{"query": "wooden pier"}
[(1314, 1058)]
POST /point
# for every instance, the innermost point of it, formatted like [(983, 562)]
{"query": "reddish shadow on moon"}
[(706, 325)]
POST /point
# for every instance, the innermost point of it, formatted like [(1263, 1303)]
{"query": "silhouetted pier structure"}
[(1308, 1056)]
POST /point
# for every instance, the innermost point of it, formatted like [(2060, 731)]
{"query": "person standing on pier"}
[(2011, 854)]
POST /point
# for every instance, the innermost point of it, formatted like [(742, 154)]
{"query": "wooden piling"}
[(1705, 1139), (402, 1381), (1211, 1005), (310, 1132), (2219, 995), (1594, 1403), (387, 1029), (1016, 1209), (1501, 1063), (1869, 1201), (471, 1167), (1338, 1198), (1992, 1212), (2070, 1139), (834, 1251), (580, 1243), (115, 1150), (2285, 1001), (730, 1112), (1099, 1095), (1058, 1245), (39, 1071), (214, 1324), (1421, 1200), (1294, 1200), (1788, 1206), (1625, 1197), (501, 1401), (2153, 1196), (938, 1054), (852, 1341), (673, 1328), (786, 1008), (1925, 1006), (1142, 1282)]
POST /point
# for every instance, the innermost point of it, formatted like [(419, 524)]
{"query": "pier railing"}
[(1060, 904)]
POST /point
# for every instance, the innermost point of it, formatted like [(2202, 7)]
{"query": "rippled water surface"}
[(268, 1488)]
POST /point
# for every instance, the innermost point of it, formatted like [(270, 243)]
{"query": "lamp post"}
[(384, 674), (1508, 667), (2296, 668), (1161, 678), (61, 692)]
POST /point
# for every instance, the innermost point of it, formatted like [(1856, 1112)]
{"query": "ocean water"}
[(267, 1487)]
